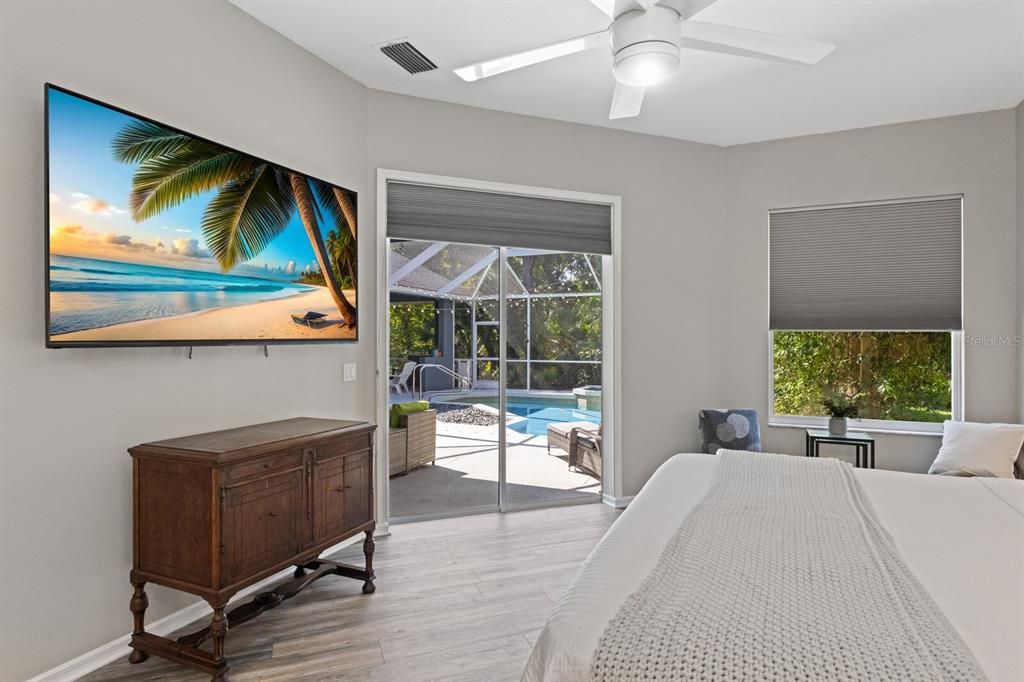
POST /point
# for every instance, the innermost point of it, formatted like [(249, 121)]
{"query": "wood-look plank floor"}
[(459, 600)]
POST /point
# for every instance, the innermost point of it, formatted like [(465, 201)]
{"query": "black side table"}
[(862, 442)]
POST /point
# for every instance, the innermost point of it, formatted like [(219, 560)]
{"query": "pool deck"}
[(465, 474)]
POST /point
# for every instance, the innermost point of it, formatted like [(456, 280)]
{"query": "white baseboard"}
[(115, 649), (617, 502)]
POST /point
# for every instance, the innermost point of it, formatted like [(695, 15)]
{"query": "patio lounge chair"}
[(400, 382), (558, 433), (585, 451), (310, 319)]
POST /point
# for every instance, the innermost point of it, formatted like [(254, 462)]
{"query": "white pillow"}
[(974, 449)]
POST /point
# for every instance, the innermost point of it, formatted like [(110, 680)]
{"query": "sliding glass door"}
[(554, 375), (496, 314), (501, 347), (445, 460)]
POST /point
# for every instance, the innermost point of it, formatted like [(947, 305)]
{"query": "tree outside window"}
[(902, 376)]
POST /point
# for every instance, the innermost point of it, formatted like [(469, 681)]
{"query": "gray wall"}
[(1019, 111), (969, 154), (671, 205), (68, 415)]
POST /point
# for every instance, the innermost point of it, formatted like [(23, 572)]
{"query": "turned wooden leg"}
[(218, 630), (368, 545), (139, 604)]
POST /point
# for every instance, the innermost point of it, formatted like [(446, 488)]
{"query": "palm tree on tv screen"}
[(341, 246), (255, 200)]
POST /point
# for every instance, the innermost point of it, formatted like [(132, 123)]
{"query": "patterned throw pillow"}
[(729, 429)]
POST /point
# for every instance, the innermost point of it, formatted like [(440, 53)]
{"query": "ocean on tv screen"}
[(156, 235)]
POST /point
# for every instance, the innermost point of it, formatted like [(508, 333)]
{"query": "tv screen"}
[(156, 236)]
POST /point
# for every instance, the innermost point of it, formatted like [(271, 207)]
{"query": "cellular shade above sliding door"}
[(884, 266), (448, 214)]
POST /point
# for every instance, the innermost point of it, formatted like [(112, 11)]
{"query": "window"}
[(866, 300), (898, 376)]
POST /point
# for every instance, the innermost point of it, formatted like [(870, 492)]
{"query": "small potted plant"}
[(840, 407)]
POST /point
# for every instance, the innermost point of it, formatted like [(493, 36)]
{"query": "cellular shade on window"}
[(886, 266), (448, 214)]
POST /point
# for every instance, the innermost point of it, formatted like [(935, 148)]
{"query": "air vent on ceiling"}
[(408, 57)]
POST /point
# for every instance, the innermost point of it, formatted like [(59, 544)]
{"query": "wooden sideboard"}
[(217, 512)]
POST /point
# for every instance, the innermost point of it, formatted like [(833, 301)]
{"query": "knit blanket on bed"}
[(782, 572)]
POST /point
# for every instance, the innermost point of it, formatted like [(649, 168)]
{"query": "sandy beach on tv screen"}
[(269, 320)]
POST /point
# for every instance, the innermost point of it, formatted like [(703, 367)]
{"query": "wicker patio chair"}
[(558, 433), (585, 451)]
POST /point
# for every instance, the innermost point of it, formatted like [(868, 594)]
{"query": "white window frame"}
[(875, 425)]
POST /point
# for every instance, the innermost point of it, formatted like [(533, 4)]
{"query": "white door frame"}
[(611, 366)]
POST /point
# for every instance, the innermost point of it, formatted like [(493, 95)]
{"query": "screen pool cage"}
[(553, 310)]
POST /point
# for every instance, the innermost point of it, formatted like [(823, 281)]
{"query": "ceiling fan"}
[(645, 37)]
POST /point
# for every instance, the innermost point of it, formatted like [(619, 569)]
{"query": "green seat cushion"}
[(399, 409)]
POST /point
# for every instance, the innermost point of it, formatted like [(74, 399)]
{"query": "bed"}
[(962, 538)]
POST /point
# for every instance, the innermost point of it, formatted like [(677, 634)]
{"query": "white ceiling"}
[(895, 60)]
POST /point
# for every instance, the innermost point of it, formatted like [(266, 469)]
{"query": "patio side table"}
[(862, 443)]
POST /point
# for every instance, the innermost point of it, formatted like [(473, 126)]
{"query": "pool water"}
[(539, 413)]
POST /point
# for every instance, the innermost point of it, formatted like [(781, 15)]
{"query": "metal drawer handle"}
[(271, 513), (266, 465)]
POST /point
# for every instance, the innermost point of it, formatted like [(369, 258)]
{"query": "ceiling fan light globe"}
[(646, 64)]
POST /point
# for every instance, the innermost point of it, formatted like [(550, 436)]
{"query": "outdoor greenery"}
[(903, 376), (564, 328), (412, 331)]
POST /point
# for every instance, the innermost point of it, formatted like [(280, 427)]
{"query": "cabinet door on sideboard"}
[(262, 524), (358, 489), (328, 499)]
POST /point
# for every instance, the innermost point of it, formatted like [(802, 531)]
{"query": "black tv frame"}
[(47, 87)]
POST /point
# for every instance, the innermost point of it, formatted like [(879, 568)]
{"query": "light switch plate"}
[(349, 372)]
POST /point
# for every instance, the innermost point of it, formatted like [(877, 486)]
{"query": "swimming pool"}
[(538, 412)]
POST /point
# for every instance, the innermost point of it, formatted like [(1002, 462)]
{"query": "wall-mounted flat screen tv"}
[(159, 237)]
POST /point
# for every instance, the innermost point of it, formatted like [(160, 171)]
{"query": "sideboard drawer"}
[(269, 464), (343, 446)]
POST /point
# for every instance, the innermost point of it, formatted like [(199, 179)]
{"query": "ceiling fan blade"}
[(699, 35), (626, 101), (606, 6), (613, 8), (685, 8), (493, 67)]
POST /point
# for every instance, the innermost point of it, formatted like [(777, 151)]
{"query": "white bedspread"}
[(962, 537)]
